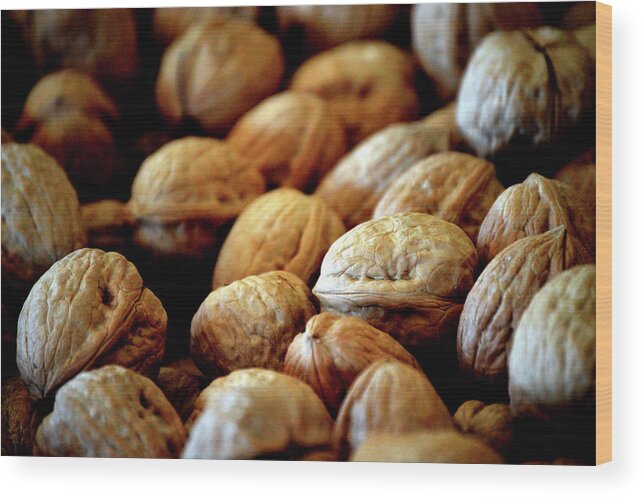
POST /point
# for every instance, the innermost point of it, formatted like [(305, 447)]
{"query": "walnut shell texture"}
[(245, 419), (493, 423), (580, 174), (250, 323), (216, 71), (552, 360), (389, 397), (358, 181), (500, 295), (111, 412), (332, 352), (180, 388), (434, 447), (534, 206), (453, 186), (40, 214), (280, 230), (20, 419), (291, 137), (406, 274), (367, 84), (89, 309), (186, 191)]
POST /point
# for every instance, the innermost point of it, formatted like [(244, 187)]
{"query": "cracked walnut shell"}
[(111, 412), (406, 274), (90, 308)]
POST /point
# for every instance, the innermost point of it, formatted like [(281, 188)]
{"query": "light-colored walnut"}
[(443, 119), (280, 230), (389, 397), (367, 84), (493, 423), (580, 174), (89, 309), (186, 191), (453, 186), (250, 323), (445, 35), (406, 274), (552, 360), (111, 412), (334, 350), (107, 224), (501, 294), (534, 206), (291, 137), (436, 447), (253, 413), (524, 89), (180, 388), (216, 71), (20, 418)]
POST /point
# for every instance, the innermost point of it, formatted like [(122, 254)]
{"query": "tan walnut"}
[(453, 186), (443, 119), (444, 35), (580, 174), (356, 184), (389, 397), (216, 71), (259, 414), (187, 191), (406, 274), (534, 206), (422, 446), (552, 360), (20, 419), (367, 84), (500, 295), (291, 137), (493, 423), (250, 323), (280, 230), (334, 350), (90, 308), (107, 224), (40, 215), (524, 89), (111, 412)]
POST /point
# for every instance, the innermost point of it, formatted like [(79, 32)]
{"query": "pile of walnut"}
[(305, 234)]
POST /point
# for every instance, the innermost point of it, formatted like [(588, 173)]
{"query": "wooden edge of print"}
[(603, 233)]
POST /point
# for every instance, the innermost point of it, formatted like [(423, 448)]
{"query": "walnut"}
[(280, 230), (453, 186), (185, 193), (171, 23), (586, 36), (250, 323), (40, 215), (534, 206), (334, 350), (524, 89), (552, 360), (291, 137), (445, 35), (326, 26), (443, 120), (20, 418), (90, 308), (216, 71), (501, 294), (406, 274), (355, 185), (180, 388), (493, 423), (580, 174), (389, 397), (107, 224), (421, 446), (259, 414), (111, 412), (367, 84)]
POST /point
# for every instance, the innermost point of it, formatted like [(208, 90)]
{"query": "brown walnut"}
[(580, 174), (111, 412), (180, 388), (280, 230), (20, 418), (107, 224), (492, 423), (406, 274), (90, 308)]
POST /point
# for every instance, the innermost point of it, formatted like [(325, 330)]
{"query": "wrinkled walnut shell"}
[(180, 388), (580, 174), (250, 323), (90, 308), (280, 230), (453, 186), (20, 419), (493, 423), (406, 274), (334, 350), (111, 412)]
